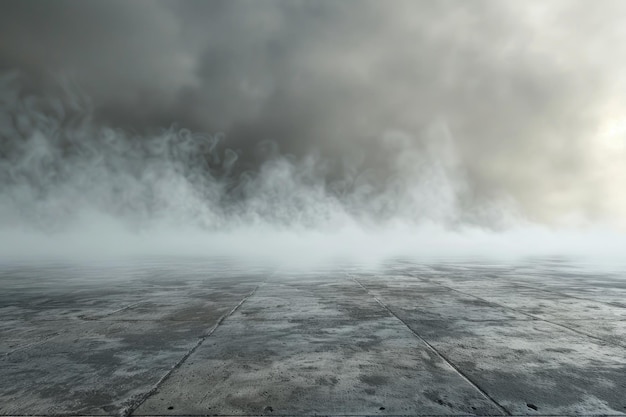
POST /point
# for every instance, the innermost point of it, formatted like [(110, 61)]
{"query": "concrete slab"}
[(347, 356), (532, 361), (112, 348), (212, 337)]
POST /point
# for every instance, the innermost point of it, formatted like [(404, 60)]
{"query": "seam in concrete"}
[(535, 318), (434, 350), (29, 345), (96, 318), (134, 404), (564, 295)]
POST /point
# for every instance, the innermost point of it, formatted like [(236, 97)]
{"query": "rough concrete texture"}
[(198, 338)]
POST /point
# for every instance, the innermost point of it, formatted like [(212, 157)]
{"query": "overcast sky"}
[(532, 94)]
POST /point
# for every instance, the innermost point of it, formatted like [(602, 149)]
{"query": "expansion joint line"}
[(29, 345), (435, 350), (532, 316), (135, 403), (119, 310), (610, 304)]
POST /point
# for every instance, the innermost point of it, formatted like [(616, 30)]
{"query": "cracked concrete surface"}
[(200, 337)]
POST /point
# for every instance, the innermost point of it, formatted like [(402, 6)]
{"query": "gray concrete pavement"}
[(198, 338)]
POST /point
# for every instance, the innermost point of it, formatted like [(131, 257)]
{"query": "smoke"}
[(74, 188), (58, 163), (311, 128)]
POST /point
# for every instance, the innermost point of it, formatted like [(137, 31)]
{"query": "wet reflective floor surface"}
[(217, 338)]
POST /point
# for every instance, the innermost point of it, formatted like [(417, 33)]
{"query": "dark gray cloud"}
[(523, 88)]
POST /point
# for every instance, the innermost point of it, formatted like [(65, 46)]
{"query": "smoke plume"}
[(389, 129)]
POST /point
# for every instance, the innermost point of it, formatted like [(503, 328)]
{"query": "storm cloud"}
[(523, 102)]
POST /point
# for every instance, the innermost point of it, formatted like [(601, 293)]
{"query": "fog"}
[(300, 133)]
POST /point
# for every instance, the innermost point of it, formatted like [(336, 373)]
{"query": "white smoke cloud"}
[(73, 188)]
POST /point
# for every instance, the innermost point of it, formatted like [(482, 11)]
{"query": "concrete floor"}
[(198, 338)]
